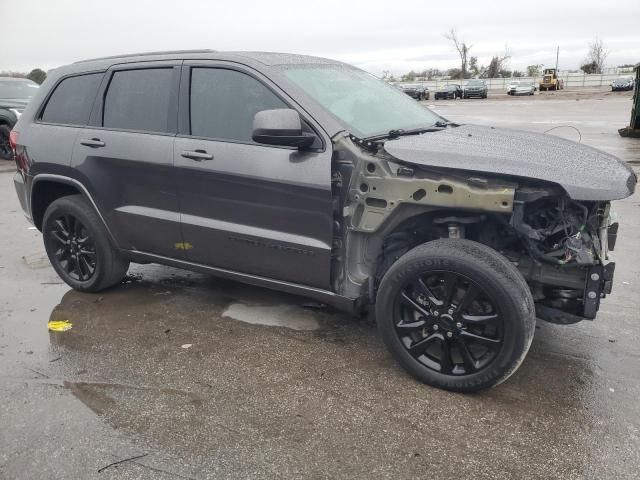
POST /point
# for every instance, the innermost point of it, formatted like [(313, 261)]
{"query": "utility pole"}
[(557, 55)]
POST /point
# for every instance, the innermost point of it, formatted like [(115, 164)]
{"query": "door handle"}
[(197, 155), (93, 142)]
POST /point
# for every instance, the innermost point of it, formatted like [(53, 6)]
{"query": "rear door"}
[(125, 158), (51, 138), (246, 207)]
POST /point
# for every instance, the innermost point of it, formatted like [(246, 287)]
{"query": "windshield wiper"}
[(400, 132)]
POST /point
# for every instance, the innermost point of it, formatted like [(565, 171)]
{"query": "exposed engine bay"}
[(560, 245)]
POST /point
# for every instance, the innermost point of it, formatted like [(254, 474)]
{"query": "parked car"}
[(622, 83), (414, 90), (312, 177), (524, 88), (511, 88), (15, 93), (448, 91), (475, 88)]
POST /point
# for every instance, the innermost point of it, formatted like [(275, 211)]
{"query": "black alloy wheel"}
[(76, 251), (78, 245), (456, 314), (449, 323)]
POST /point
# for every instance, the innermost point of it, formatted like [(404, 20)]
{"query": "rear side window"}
[(223, 103), (139, 100), (71, 101)]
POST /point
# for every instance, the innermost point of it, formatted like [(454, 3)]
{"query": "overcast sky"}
[(375, 35)]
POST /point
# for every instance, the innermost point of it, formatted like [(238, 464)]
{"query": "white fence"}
[(571, 81)]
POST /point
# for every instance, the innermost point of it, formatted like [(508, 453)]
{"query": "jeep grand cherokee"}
[(310, 176)]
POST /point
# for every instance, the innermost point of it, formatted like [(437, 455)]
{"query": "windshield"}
[(17, 89), (365, 104), (477, 83)]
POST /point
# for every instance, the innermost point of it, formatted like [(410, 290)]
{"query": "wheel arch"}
[(47, 188), (370, 255)]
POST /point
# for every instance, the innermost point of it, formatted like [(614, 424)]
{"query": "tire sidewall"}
[(514, 311), (69, 206), (5, 132)]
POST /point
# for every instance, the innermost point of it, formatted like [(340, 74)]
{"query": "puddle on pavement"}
[(288, 316)]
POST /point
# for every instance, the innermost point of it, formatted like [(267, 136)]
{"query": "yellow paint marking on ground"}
[(59, 325)]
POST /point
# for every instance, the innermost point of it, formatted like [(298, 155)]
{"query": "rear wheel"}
[(456, 314), (78, 247), (5, 148)]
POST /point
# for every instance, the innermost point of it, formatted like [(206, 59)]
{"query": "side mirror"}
[(280, 127)]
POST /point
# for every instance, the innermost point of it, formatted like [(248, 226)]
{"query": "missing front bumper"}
[(598, 284)]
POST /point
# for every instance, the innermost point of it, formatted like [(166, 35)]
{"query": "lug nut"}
[(435, 328), (459, 325), (450, 311), (436, 313), (449, 334)]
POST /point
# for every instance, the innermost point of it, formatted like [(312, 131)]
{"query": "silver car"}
[(524, 88)]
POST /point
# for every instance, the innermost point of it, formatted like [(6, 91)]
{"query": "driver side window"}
[(223, 103)]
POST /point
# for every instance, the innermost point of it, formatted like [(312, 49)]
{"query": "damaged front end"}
[(389, 206), (566, 243)]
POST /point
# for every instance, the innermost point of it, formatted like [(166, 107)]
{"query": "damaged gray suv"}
[(310, 176)]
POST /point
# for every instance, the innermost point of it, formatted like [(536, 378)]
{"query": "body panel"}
[(130, 174), (132, 180), (255, 208), (584, 172)]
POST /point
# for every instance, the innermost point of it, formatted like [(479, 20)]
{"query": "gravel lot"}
[(203, 378)]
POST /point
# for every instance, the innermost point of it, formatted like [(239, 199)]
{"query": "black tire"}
[(5, 148), (83, 256), (505, 331)]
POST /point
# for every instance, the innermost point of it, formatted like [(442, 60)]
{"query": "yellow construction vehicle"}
[(550, 80)]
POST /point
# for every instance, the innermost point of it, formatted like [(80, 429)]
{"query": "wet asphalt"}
[(203, 378)]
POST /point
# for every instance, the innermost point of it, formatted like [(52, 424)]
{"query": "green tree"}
[(494, 67), (454, 73), (474, 69), (533, 70), (591, 67), (409, 77), (37, 75), (518, 74)]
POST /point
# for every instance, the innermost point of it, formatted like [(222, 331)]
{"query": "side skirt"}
[(345, 304)]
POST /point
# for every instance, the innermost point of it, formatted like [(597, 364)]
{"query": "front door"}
[(126, 157), (246, 207)]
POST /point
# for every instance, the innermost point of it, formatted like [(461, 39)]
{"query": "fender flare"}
[(80, 186)]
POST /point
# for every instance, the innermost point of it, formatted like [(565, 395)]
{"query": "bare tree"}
[(597, 55), (462, 48)]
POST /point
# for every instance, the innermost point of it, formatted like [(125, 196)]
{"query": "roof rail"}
[(142, 54)]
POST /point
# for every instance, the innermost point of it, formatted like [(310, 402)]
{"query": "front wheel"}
[(456, 314)]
